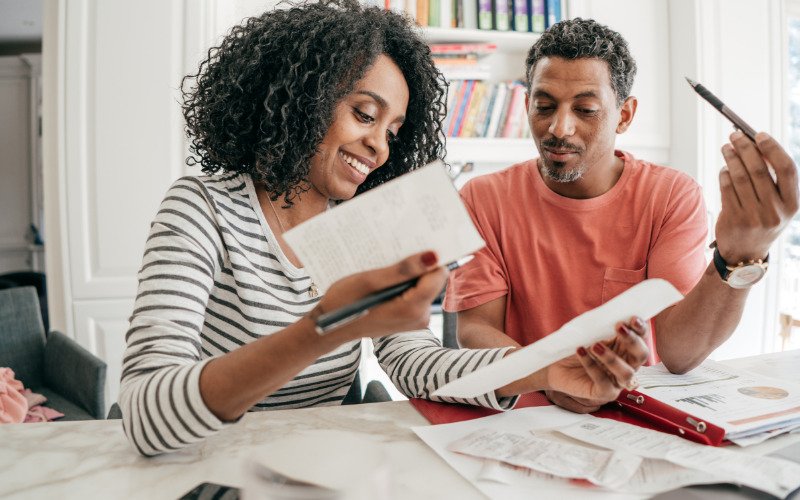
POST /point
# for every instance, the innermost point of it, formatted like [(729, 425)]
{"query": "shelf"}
[(484, 150), (505, 40)]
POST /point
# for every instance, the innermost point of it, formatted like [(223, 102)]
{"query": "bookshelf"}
[(506, 63)]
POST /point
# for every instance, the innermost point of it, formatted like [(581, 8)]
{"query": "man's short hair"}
[(584, 39)]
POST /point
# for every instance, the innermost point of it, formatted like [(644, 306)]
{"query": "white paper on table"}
[(773, 475), (418, 211), (645, 300), (502, 481), (543, 454), (741, 402)]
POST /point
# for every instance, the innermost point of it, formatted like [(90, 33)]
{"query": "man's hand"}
[(628, 345), (755, 209)]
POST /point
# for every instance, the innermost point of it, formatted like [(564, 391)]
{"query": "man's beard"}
[(557, 170)]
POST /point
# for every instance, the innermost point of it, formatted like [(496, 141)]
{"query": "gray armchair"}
[(72, 379)]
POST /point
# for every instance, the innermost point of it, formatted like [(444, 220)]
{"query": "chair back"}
[(22, 337)]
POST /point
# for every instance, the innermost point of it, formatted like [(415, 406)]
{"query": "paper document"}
[(543, 454), (508, 482), (644, 300), (775, 476), (418, 211), (741, 402)]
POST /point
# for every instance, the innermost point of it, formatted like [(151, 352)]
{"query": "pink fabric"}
[(42, 414), (13, 405)]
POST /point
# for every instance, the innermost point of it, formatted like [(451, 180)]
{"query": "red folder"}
[(631, 407)]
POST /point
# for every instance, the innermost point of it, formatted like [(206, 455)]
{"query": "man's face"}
[(574, 118)]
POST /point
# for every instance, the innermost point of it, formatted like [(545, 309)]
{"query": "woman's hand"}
[(592, 377), (409, 311)]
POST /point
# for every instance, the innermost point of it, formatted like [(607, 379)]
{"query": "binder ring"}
[(700, 426), (636, 398)]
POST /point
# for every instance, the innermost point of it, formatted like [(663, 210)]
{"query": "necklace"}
[(312, 288)]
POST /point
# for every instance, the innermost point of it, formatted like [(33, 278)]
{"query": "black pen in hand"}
[(331, 320), (722, 108)]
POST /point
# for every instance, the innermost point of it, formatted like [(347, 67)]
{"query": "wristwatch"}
[(743, 274)]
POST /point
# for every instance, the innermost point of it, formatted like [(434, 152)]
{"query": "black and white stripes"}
[(213, 278)]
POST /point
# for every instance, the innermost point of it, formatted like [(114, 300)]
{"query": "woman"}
[(295, 110)]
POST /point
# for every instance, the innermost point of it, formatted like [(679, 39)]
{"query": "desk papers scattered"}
[(543, 454), (750, 407), (503, 481), (418, 211), (666, 462), (644, 300), (775, 476)]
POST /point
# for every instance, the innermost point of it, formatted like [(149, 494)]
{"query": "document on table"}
[(418, 211), (497, 479), (743, 403), (644, 300), (775, 476), (544, 454)]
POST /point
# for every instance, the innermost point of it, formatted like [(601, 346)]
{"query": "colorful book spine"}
[(502, 15), (486, 112), (463, 107), (537, 16), (521, 18), (516, 108), (476, 101), (422, 12), (434, 12), (485, 20), (552, 12), (499, 107), (456, 108), (446, 13)]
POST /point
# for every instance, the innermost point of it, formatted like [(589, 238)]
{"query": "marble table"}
[(92, 459)]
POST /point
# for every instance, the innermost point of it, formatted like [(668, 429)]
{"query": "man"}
[(582, 223)]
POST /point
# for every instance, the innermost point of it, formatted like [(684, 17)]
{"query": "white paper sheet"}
[(544, 454), (505, 482), (502, 481), (772, 475), (741, 402), (644, 300), (418, 211)]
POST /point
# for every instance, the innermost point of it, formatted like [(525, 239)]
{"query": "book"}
[(470, 14), (537, 13), (477, 101), (446, 13), (552, 10), (463, 107), (456, 108), (422, 12), (514, 116), (439, 49), (498, 107), (434, 13), (521, 21), (502, 15), (485, 15)]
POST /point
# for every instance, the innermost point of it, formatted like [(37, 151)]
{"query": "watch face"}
[(745, 276)]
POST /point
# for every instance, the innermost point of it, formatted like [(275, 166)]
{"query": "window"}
[(789, 292)]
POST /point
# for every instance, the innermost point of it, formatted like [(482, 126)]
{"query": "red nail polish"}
[(429, 258), (599, 348), (581, 351)]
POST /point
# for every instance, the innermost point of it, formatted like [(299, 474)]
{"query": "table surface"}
[(92, 459)]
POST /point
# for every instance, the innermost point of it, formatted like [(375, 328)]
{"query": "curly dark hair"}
[(262, 101), (586, 38)]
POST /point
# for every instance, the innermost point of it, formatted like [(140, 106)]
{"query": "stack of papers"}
[(748, 406)]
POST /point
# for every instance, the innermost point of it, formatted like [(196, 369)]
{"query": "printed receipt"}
[(772, 475), (644, 300), (417, 211), (604, 468)]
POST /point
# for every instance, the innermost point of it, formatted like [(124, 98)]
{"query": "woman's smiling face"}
[(364, 124)]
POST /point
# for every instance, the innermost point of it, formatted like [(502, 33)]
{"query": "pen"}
[(339, 317), (722, 108)]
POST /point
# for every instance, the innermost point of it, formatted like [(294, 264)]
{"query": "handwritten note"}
[(418, 211)]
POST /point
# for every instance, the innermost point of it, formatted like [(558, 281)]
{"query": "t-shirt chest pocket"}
[(616, 280)]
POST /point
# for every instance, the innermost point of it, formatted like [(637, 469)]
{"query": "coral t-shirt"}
[(555, 257)]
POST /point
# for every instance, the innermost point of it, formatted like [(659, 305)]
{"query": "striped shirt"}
[(214, 278)]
